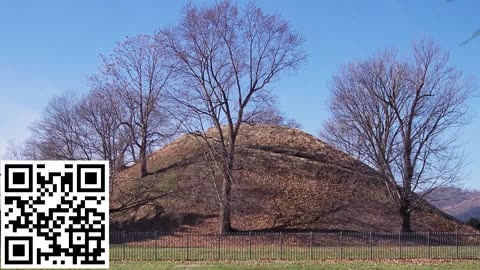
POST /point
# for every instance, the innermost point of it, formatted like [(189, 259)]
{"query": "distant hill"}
[(287, 180), (460, 203)]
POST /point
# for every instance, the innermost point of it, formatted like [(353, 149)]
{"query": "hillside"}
[(287, 180), (460, 203)]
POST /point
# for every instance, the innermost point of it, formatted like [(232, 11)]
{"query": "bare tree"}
[(58, 134), (26, 150), (14, 151), (106, 138), (400, 117), (72, 128), (270, 115), (135, 75), (224, 58)]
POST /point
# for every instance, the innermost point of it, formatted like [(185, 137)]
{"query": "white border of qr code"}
[(51, 166)]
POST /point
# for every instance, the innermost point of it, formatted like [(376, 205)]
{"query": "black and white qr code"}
[(54, 214)]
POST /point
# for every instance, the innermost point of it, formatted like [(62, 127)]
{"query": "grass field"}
[(403, 265)]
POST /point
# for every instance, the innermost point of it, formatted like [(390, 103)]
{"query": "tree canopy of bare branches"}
[(134, 77), (400, 115), (268, 113), (224, 58), (106, 138), (58, 134)]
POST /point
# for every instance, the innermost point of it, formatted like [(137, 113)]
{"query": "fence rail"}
[(156, 246)]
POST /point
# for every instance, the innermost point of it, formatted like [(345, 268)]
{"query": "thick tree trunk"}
[(405, 206), (225, 222), (143, 161), (405, 215), (225, 206), (143, 168)]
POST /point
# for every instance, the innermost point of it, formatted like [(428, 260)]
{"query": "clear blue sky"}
[(48, 47)]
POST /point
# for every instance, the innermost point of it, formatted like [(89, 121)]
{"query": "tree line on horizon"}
[(214, 70)]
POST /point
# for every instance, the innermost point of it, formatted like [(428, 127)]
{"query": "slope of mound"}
[(286, 180)]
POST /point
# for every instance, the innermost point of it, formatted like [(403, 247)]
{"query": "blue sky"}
[(49, 47)]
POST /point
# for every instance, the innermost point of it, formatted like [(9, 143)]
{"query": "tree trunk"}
[(225, 223), (405, 214), (405, 205), (144, 171), (225, 205), (143, 161)]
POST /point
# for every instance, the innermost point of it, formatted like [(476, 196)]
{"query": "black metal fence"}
[(155, 246)]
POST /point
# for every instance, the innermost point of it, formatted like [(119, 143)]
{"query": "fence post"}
[(218, 246), (456, 243), (156, 246), (400, 243), (429, 246), (124, 246), (188, 246), (311, 245), (250, 245), (281, 246), (371, 246), (477, 245), (341, 246)]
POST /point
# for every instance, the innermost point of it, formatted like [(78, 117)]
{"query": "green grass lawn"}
[(407, 265)]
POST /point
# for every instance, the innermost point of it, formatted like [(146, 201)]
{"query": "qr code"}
[(54, 214)]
